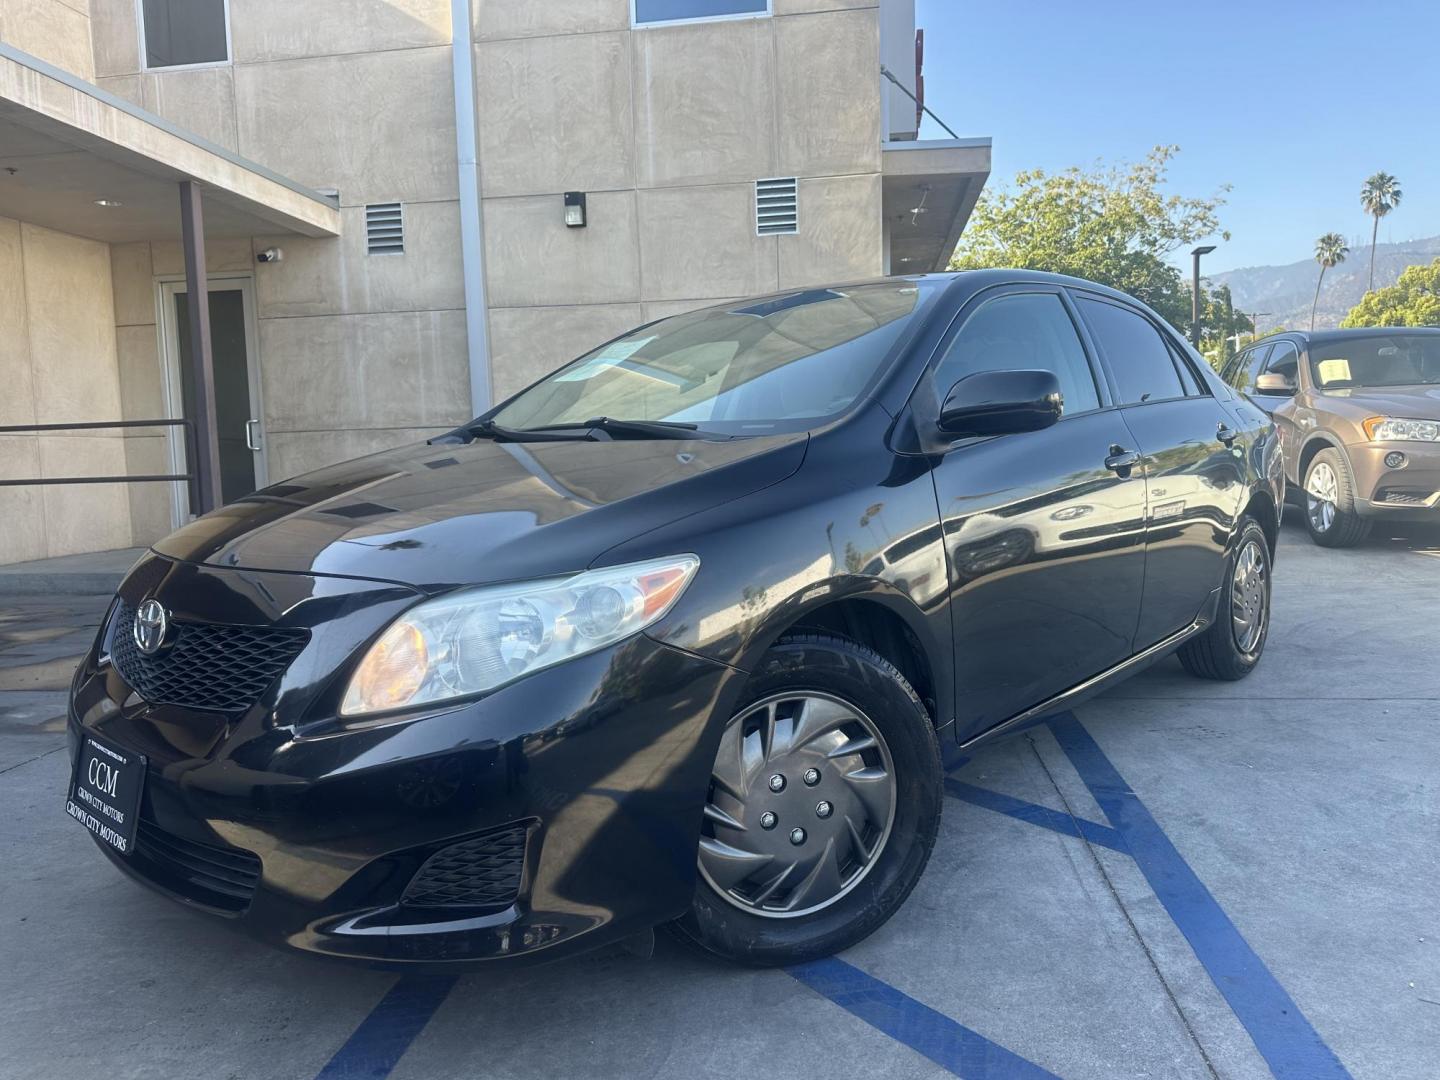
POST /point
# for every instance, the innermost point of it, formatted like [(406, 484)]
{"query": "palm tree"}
[(1330, 250), (1379, 195)]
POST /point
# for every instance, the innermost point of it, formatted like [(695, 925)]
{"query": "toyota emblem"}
[(151, 625)]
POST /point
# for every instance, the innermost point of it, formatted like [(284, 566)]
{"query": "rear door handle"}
[(1121, 460), (1226, 435)]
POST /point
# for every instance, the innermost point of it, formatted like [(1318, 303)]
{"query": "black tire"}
[(1347, 527), (840, 669), (1217, 653)]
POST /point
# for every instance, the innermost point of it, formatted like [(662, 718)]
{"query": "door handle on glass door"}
[(250, 441)]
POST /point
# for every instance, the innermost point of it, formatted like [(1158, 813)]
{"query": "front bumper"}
[(1411, 492), (593, 772)]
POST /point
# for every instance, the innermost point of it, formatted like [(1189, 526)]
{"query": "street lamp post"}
[(1204, 249)]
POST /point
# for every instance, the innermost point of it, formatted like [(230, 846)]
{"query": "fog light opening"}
[(1395, 460)]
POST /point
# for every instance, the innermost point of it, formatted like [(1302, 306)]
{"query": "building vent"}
[(776, 209), (385, 229)]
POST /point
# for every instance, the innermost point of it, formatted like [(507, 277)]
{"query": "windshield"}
[(775, 365), (1383, 360)]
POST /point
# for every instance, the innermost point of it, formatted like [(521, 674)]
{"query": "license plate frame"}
[(105, 790)]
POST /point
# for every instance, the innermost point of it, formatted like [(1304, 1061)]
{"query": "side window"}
[(1254, 365), (1022, 331), (183, 33), (1232, 367), (1137, 353), (1285, 360), (1193, 386)]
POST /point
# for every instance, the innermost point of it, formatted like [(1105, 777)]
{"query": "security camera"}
[(270, 255)]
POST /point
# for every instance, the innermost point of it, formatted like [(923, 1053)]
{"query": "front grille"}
[(481, 872), (219, 877), (218, 667)]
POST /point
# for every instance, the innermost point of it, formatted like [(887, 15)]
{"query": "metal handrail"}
[(24, 429)]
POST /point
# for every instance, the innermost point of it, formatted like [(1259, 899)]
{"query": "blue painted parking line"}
[(1290, 1046), (950, 1045), (383, 1037), (1035, 814)]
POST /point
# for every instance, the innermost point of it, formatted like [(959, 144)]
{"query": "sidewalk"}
[(95, 574)]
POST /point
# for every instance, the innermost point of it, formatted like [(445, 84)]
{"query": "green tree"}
[(1414, 300), (1330, 250), (1113, 225), (1379, 195), (1223, 326)]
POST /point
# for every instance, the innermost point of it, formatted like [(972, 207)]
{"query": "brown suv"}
[(1359, 418)]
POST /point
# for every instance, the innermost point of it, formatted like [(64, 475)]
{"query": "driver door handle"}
[(251, 443), (1121, 460), (1226, 435)]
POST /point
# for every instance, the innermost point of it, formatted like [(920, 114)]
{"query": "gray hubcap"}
[(1249, 597), (1320, 495), (802, 798)]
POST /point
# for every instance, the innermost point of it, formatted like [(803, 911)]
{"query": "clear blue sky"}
[(1291, 103)]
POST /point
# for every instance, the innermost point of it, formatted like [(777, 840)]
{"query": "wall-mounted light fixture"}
[(108, 202), (574, 209)]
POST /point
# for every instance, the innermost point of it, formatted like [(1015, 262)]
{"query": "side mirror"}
[(1274, 383), (1001, 403)]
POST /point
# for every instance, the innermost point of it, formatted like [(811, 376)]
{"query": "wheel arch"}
[(1320, 440), (888, 622)]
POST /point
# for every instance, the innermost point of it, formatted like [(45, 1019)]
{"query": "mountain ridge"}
[(1286, 291)]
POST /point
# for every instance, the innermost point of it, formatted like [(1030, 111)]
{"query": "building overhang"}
[(930, 188), (65, 145)]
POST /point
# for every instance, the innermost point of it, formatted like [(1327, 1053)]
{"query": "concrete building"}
[(385, 216)]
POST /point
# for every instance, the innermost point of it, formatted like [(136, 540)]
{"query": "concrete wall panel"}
[(526, 343), (829, 102), (54, 31), (149, 503), (285, 30), (95, 517), (526, 18), (72, 326), (17, 403), (531, 258), (134, 284), (705, 102), (115, 32), (201, 101), (700, 241), (142, 393), (22, 509), (331, 277), (364, 371), (378, 126), (554, 114), (840, 232)]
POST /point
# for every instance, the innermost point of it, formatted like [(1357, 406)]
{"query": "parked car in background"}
[(680, 632), (1358, 412)]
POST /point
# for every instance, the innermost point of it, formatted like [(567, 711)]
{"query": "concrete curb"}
[(97, 574)]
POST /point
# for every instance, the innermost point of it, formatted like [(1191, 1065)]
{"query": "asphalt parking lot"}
[(1182, 879)]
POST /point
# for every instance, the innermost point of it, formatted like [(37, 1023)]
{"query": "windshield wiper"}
[(488, 429), (644, 429)]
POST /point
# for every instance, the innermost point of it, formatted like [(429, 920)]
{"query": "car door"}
[(1043, 530), (1192, 462)]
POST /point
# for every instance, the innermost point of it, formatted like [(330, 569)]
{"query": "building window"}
[(185, 33), (649, 12)]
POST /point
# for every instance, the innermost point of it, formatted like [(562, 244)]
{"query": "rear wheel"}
[(823, 805), (1330, 502), (1232, 645)]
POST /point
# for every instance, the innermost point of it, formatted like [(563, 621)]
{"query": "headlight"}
[(474, 640), (1389, 429)]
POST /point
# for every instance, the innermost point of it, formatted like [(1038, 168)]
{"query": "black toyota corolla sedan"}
[(683, 633)]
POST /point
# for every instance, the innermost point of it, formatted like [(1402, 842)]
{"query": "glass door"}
[(239, 419)]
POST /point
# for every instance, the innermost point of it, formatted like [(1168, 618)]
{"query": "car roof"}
[(1322, 337)]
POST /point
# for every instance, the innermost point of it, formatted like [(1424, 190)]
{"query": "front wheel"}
[(1232, 645), (823, 806), (1330, 502)]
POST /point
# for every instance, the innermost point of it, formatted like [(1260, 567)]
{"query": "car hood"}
[(1411, 402), (439, 516)]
